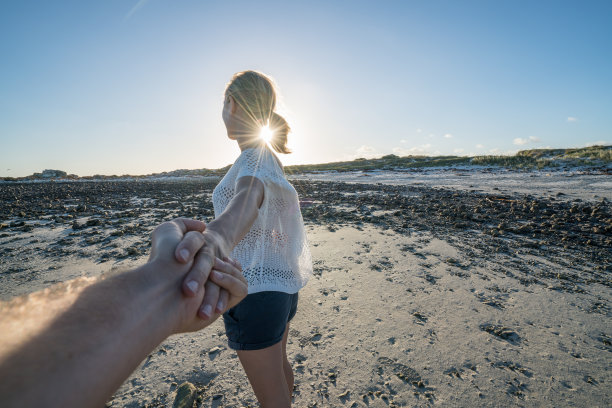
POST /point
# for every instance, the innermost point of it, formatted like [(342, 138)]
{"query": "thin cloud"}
[(572, 119), (480, 146), (366, 152), (458, 151), (599, 143), (448, 136), (499, 152), (366, 149), (137, 7), (424, 149), (519, 141)]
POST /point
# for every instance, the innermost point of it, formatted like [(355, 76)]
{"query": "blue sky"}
[(135, 87)]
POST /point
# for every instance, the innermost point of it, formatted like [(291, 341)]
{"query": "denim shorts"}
[(259, 321)]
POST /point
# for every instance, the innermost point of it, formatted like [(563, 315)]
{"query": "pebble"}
[(185, 396)]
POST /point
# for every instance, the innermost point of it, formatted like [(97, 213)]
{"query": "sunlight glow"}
[(266, 134)]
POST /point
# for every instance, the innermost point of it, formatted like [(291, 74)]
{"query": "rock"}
[(185, 396), (132, 251), (92, 222), (215, 350)]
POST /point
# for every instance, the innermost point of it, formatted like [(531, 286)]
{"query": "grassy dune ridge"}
[(598, 158), (593, 157)]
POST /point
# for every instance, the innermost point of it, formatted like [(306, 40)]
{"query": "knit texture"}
[(274, 253)]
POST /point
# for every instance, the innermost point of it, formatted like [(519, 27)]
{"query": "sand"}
[(385, 326), (407, 307)]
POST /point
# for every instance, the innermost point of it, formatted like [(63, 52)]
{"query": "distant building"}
[(50, 174)]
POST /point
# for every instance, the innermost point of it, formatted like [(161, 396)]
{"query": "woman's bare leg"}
[(286, 365), (266, 371)]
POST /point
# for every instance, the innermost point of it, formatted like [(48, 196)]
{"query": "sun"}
[(266, 134)]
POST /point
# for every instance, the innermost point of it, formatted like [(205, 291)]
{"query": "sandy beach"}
[(423, 294)]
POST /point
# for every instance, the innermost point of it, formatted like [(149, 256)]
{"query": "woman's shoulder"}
[(261, 158)]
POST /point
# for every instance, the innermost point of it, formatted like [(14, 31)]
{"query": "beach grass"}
[(594, 156)]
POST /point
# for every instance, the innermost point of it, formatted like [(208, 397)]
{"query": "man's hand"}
[(177, 242)]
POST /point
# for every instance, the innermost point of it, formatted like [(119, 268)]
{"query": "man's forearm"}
[(111, 327)]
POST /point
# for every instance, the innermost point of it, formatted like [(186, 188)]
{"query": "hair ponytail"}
[(281, 129)]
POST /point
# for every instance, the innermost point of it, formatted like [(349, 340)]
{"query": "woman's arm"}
[(222, 235), (239, 215)]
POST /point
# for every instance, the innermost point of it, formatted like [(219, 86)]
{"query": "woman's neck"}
[(250, 142)]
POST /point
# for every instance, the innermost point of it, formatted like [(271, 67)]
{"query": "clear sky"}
[(135, 86)]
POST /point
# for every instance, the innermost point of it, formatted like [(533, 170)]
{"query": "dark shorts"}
[(259, 321)]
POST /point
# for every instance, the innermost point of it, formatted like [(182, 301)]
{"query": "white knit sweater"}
[(274, 253)]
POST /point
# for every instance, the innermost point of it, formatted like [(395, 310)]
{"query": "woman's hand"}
[(209, 245), (226, 275)]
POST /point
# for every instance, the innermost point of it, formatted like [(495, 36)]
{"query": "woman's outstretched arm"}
[(222, 235), (234, 223)]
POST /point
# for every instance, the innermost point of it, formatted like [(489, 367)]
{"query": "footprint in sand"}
[(512, 366), (387, 366), (501, 332)]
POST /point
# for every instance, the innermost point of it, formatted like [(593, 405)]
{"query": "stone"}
[(215, 350), (185, 396), (93, 222)]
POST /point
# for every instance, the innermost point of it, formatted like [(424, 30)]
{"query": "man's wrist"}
[(162, 280)]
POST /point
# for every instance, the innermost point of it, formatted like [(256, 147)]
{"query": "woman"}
[(258, 222)]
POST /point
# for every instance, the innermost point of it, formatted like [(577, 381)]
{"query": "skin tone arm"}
[(222, 235), (100, 332)]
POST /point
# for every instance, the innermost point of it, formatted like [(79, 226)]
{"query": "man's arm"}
[(85, 353)]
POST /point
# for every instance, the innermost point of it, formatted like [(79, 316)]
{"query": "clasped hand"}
[(211, 285)]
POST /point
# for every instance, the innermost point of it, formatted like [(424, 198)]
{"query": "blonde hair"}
[(255, 93)]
